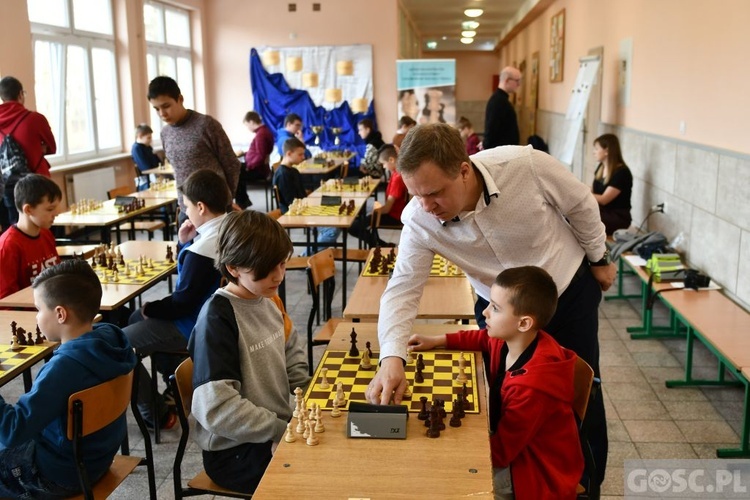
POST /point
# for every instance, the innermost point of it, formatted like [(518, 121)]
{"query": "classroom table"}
[(160, 190), (347, 191), (68, 251), (165, 170), (114, 295), (13, 365), (343, 222), (108, 216), (455, 465)]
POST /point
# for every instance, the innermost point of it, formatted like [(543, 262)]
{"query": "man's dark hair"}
[(252, 116), (366, 122), (143, 129), (293, 143), (531, 291), (251, 240), (163, 85), (406, 121), (73, 285), (209, 188), (32, 189), (387, 151), (10, 89), (291, 118)]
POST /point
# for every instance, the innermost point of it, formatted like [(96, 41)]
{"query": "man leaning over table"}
[(505, 207)]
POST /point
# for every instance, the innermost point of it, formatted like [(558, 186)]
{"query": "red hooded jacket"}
[(33, 134), (537, 435)]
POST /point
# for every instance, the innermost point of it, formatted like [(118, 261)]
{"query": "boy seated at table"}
[(165, 325), (28, 247), (288, 181), (396, 196), (143, 155), (536, 452), (36, 457), (247, 355)]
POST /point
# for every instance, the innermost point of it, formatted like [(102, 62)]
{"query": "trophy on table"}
[(317, 130), (336, 131)]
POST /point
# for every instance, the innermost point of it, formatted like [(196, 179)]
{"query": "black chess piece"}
[(434, 430), (353, 351), (423, 413), (418, 377), (455, 416), (420, 362), (20, 336)]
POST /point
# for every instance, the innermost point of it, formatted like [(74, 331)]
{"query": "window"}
[(76, 76), (168, 50)]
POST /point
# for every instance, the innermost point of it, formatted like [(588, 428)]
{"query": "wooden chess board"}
[(441, 368), (441, 267), (346, 188), (329, 210), (11, 359), (160, 266)]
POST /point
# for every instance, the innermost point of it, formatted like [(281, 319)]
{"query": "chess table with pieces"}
[(15, 357), (302, 207), (111, 266), (382, 261)]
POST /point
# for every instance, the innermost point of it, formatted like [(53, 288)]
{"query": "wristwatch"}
[(604, 261)]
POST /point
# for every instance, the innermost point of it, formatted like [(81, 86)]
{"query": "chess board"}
[(441, 367), (346, 188), (134, 279), (11, 359), (328, 210), (441, 267)]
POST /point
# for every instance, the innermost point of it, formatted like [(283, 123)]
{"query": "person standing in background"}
[(257, 165), (500, 122), (33, 134), (143, 155), (191, 140)]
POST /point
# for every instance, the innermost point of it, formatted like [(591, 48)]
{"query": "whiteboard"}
[(579, 98)]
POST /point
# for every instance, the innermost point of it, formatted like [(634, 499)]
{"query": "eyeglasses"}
[(516, 79)]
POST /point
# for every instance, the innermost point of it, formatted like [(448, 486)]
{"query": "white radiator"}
[(91, 185)]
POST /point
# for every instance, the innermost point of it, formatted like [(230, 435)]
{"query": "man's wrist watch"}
[(604, 261)]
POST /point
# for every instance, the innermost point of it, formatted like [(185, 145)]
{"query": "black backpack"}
[(13, 161)]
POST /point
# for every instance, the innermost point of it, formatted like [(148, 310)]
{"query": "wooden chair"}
[(321, 269), (132, 226), (586, 387), (182, 386), (92, 409)]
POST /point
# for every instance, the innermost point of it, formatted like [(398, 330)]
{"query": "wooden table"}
[(442, 298), (166, 170), (67, 251), (343, 222), (346, 193), (108, 216), (455, 465), (11, 366), (114, 295)]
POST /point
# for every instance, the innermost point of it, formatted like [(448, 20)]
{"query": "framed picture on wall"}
[(557, 46)]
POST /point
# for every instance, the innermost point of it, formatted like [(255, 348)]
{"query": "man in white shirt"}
[(505, 207)]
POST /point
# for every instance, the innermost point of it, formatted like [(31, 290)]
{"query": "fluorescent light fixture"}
[(469, 25), (468, 34), (431, 45), (445, 37), (473, 12), (467, 41)]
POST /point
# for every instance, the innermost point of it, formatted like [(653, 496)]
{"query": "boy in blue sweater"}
[(165, 325), (143, 155), (36, 458)]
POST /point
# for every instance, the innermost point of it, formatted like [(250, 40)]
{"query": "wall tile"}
[(633, 147), (715, 248), (696, 175), (660, 163), (733, 201)]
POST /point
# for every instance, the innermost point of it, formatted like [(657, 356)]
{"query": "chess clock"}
[(376, 421)]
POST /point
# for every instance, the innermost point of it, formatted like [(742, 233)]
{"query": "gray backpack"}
[(13, 163)]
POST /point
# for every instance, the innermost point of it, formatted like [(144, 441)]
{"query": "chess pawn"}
[(312, 440), (14, 345), (365, 364), (116, 277), (407, 391), (300, 423), (150, 263), (307, 430), (289, 437), (324, 384), (409, 357), (336, 412), (319, 427)]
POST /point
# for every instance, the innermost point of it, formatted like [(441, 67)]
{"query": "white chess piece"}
[(289, 437)]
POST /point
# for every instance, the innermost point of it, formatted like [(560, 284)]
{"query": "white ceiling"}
[(438, 19)]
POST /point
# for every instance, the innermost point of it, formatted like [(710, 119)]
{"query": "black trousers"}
[(575, 326)]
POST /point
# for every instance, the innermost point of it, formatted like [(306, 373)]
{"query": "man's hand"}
[(425, 342), (186, 232), (605, 275), (390, 381)]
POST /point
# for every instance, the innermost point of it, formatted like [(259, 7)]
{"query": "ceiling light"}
[(467, 41), (469, 34), (469, 25), (473, 12), (431, 45), (445, 37)]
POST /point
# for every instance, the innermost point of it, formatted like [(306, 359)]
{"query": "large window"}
[(76, 75), (168, 49)]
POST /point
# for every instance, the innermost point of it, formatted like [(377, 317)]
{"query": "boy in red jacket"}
[(536, 452)]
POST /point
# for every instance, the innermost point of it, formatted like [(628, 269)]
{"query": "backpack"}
[(13, 163)]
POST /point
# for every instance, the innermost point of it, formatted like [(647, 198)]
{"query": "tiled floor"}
[(645, 419)]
